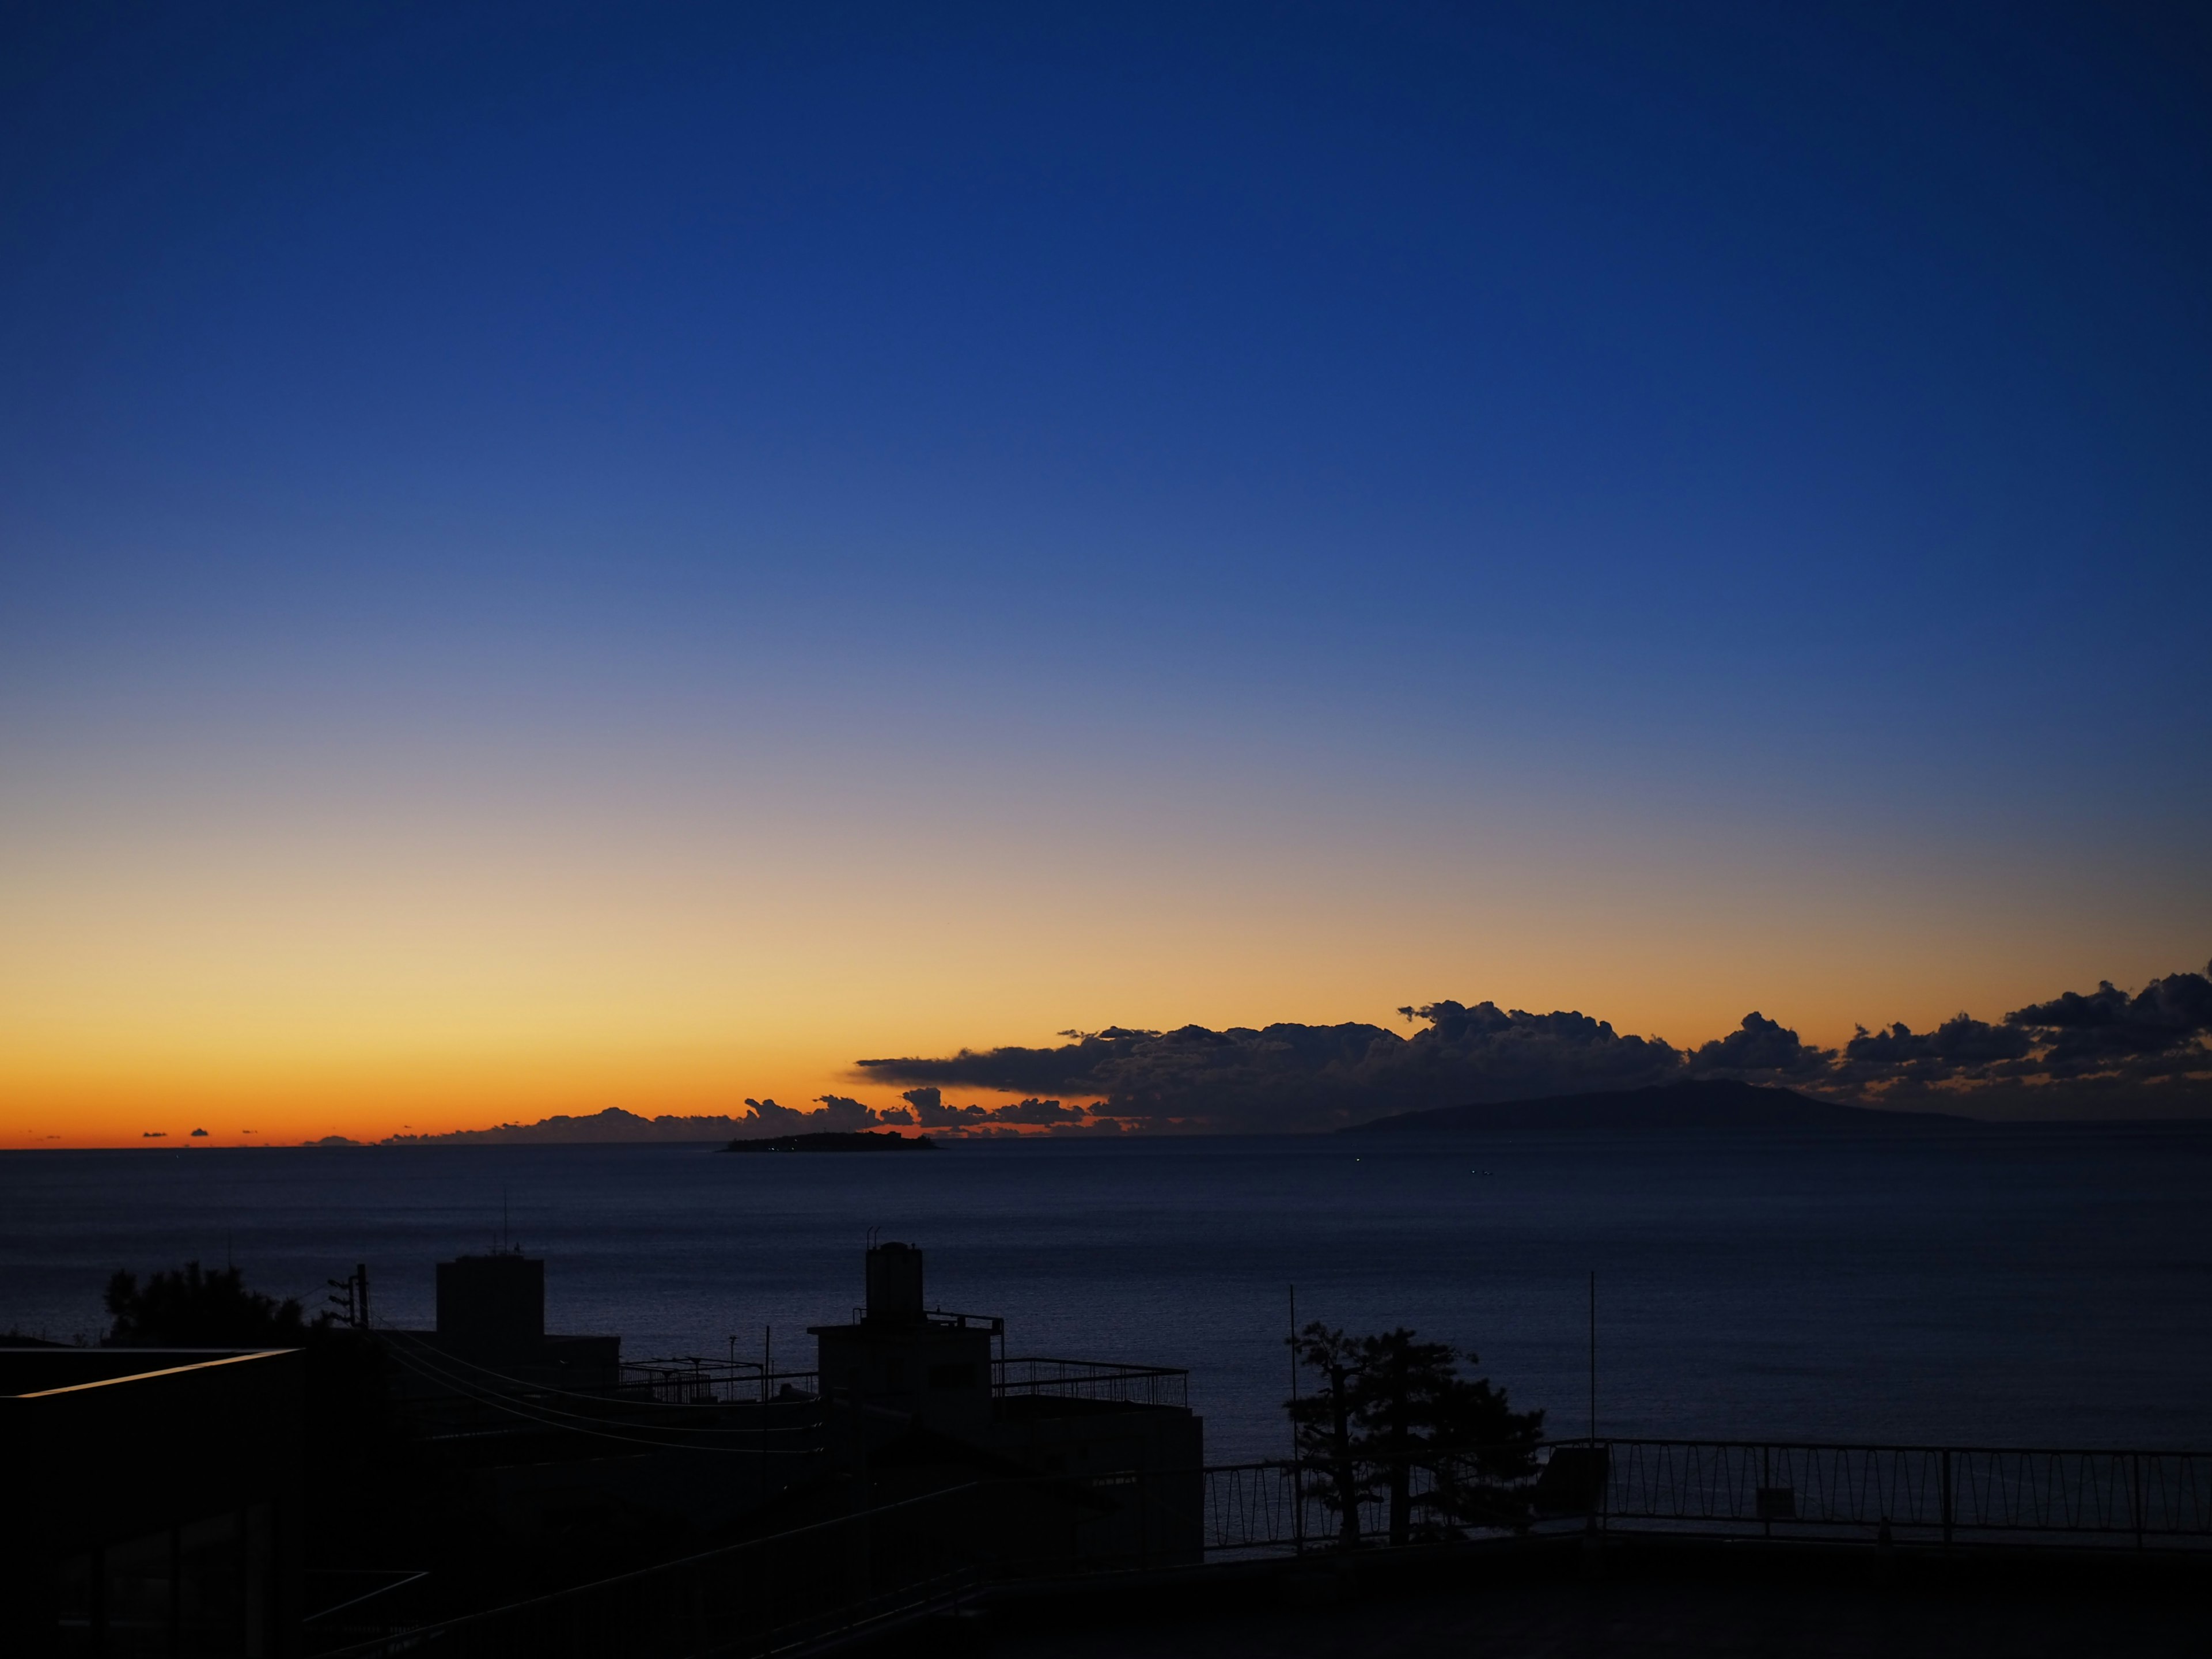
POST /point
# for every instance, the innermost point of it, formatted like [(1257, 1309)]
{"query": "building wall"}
[(153, 1510)]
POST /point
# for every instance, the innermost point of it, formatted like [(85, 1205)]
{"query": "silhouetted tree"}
[(189, 1309), (1480, 1451), (1328, 1438), (366, 1490), (1390, 1405), (1404, 1390)]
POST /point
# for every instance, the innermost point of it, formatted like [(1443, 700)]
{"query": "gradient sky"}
[(555, 557)]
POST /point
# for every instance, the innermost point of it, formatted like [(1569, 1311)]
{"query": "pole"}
[(1593, 1356), (1946, 1498), (1298, 1479)]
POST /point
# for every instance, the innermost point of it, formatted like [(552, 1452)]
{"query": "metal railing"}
[(1946, 1493), (1267, 1508), (688, 1379), (692, 1380), (1092, 1379), (1920, 1494)]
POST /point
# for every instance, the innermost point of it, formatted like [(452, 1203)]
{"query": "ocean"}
[(2030, 1286)]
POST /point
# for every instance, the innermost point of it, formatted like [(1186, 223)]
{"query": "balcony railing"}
[(1920, 1495), (1092, 1379), (692, 1380), (1945, 1493)]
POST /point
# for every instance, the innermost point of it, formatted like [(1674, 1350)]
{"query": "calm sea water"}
[(2011, 1285)]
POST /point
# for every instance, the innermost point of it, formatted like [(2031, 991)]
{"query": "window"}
[(199, 1591)]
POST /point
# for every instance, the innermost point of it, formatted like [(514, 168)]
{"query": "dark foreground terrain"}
[(1708, 1600)]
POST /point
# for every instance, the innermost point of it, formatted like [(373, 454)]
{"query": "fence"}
[(1092, 1379), (700, 1381), (690, 1380), (1943, 1494)]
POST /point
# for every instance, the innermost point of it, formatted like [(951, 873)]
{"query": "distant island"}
[(1713, 1104), (831, 1141)]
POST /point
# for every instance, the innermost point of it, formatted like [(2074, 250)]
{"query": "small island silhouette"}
[(831, 1141)]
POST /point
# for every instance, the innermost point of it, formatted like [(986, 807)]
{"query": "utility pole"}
[(354, 1298)]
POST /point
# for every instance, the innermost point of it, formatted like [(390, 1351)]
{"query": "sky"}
[(556, 556)]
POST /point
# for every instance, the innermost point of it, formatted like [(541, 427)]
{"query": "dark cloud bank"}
[(2105, 1054), (925, 1108)]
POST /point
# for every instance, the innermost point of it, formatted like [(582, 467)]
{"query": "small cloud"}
[(199, 1135), (1760, 1047), (770, 1115), (842, 1112), (153, 1134), (1037, 1111), (895, 1114), (932, 1113)]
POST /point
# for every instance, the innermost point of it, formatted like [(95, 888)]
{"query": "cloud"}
[(1959, 1043), (199, 1135), (1307, 1077), (895, 1114), (2116, 1053), (1071, 1070), (2163, 1021), (1760, 1050), (932, 1113), (844, 1113), (772, 1118), (1038, 1111)]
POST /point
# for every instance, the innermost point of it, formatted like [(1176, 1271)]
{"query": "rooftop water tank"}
[(894, 1284)]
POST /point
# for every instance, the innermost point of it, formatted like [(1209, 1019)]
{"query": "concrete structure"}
[(153, 1502), (491, 1318), (1093, 1462), (933, 1368)]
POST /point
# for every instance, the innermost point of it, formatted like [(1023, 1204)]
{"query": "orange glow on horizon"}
[(367, 978)]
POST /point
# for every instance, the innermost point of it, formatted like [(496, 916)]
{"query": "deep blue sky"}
[(1713, 483)]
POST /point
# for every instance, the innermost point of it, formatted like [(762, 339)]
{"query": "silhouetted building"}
[(492, 1308), (153, 1502), (1092, 1462), (933, 1368), (491, 1318)]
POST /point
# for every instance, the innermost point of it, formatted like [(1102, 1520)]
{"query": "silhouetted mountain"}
[(1711, 1103)]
